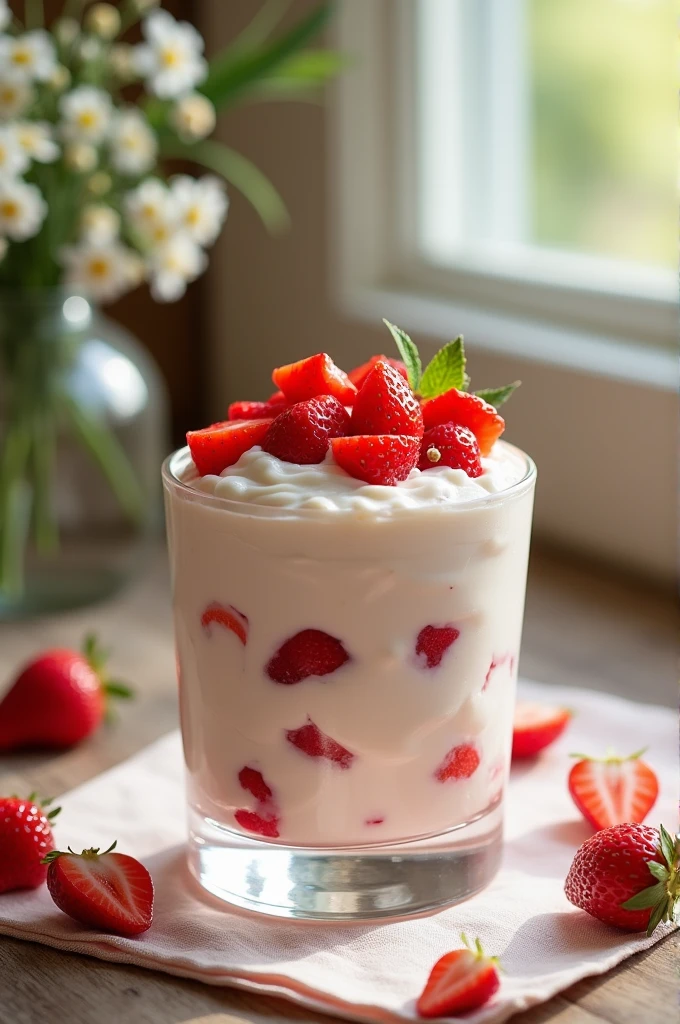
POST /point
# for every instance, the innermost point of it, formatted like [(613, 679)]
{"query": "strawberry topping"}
[(377, 458), (259, 410), (460, 763), (535, 727), (433, 642), (359, 374), (386, 405), (311, 741), (221, 445), (317, 375), (466, 410), (302, 434), (451, 445), (312, 652), (227, 616)]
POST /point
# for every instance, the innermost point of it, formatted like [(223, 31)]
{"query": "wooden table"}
[(583, 627)]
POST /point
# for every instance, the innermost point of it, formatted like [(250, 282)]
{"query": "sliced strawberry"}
[(460, 763), (386, 405), (302, 434), (253, 782), (612, 790), (311, 741), (317, 375), (227, 616), (536, 726), (377, 458), (261, 824), (451, 445), (264, 821), (359, 374), (467, 411), (308, 653), (109, 891), (460, 981), (221, 445), (433, 642)]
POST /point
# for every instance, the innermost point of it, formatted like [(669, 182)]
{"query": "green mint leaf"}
[(445, 370), (667, 847), (658, 870), (647, 898), (408, 353), (496, 396), (659, 914)]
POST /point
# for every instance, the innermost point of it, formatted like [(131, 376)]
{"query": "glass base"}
[(394, 880)]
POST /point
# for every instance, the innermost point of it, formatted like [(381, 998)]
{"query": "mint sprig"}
[(497, 396), (409, 354)]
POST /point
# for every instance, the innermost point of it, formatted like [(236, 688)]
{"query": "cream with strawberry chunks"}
[(348, 624)]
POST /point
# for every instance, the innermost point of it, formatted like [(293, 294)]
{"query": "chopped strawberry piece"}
[(253, 782), (275, 404), (433, 642), (498, 661), (536, 726), (261, 824), (451, 445), (317, 375), (264, 821), (460, 763), (221, 445), (467, 411), (359, 374), (311, 741), (386, 405), (612, 790), (377, 458), (462, 980), (312, 652), (302, 434), (227, 616)]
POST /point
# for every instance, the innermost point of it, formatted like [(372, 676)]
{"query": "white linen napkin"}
[(375, 971)]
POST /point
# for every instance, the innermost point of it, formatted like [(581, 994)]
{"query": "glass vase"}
[(82, 428)]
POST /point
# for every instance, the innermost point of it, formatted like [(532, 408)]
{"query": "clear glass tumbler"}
[(347, 683)]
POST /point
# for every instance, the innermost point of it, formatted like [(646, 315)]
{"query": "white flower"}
[(66, 30), (35, 138), (103, 20), (89, 49), (80, 157), (171, 58), (193, 117), (133, 144), (15, 97), (29, 56), (201, 205), (172, 265), (87, 114), (103, 271), (5, 15), (60, 78), (22, 209), (149, 212), (120, 59), (99, 224), (13, 159)]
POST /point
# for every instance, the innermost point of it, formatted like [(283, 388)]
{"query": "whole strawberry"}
[(58, 699), (25, 838), (628, 876)]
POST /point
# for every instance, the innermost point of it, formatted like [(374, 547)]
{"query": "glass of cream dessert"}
[(349, 563)]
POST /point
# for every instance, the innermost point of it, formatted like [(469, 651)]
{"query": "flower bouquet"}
[(90, 126)]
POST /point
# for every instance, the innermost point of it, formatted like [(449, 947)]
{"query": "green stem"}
[(15, 509), (42, 462)]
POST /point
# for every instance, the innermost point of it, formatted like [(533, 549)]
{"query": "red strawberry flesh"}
[(227, 616), (535, 727), (317, 375), (613, 790), (359, 374), (460, 981), (259, 410), (260, 824), (311, 741), (25, 838), (111, 892), (311, 652), (216, 448), (433, 642), (264, 820), (386, 405), (377, 458), (461, 762), (451, 445), (302, 434), (466, 410)]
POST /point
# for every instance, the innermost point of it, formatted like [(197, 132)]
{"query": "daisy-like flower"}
[(171, 60), (22, 209), (132, 143), (87, 114), (15, 97), (201, 205), (193, 117), (102, 270), (29, 57), (80, 157), (35, 138), (5, 15), (99, 224), (13, 159), (150, 212), (172, 265)]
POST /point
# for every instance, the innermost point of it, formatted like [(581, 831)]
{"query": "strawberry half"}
[(302, 434), (359, 374), (535, 727), (25, 839), (314, 743), (451, 445), (108, 891), (311, 652), (317, 375), (229, 617), (275, 404), (461, 762), (386, 405), (462, 980), (221, 445), (612, 790), (377, 458), (466, 410)]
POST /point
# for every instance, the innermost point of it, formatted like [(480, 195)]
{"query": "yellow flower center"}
[(22, 56), (99, 267), (170, 57), (149, 211), (8, 94), (193, 216), (9, 209), (87, 119), (160, 233)]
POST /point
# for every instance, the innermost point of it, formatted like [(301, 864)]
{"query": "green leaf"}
[(409, 354), (238, 171), (496, 396), (647, 898), (236, 69), (261, 26), (667, 847), (115, 688), (659, 914), (658, 870), (445, 370), (300, 77)]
